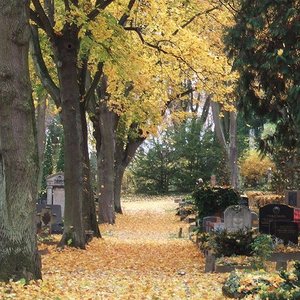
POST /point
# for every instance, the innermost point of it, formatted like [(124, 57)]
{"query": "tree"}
[(264, 47), (255, 168), (19, 257), (159, 38), (65, 46), (180, 155), (165, 47)]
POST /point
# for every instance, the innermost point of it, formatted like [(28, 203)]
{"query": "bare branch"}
[(41, 68), (44, 19), (49, 10), (126, 15), (94, 83), (196, 16), (34, 17), (67, 5), (100, 5)]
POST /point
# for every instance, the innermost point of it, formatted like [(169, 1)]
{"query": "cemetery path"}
[(141, 257)]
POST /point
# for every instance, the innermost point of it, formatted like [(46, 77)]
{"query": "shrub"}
[(224, 243), (211, 201), (254, 168), (272, 286)]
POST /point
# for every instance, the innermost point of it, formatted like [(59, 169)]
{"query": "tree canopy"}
[(264, 45)]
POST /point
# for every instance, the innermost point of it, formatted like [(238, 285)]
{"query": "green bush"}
[(262, 248), (212, 201), (268, 286), (225, 243)]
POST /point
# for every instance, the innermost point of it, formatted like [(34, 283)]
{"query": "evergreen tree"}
[(264, 45), (182, 155)]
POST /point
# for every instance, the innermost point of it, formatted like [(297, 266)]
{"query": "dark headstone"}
[(57, 225), (286, 231), (244, 200), (292, 198), (274, 213), (49, 214)]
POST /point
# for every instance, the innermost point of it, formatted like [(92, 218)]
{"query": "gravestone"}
[(209, 223), (286, 231), (56, 190), (237, 217), (292, 198), (49, 216), (297, 216), (274, 213), (244, 200), (254, 219), (219, 226)]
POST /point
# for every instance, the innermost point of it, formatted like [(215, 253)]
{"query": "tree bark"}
[(124, 154), (89, 210), (19, 257), (233, 154), (41, 134), (66, 51), (231, 147), (105, 159)]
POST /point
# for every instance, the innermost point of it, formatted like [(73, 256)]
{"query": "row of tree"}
[(120, 62), (126, 64)]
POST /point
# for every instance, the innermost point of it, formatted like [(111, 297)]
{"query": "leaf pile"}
[(141, 257)]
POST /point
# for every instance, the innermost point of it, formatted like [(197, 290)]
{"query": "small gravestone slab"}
[(254, 219), (218, 226), (297, 216), (292, 198), (57, 224), (237, 217), (284, 230), (274, 213), (244, 200), (208, 223), (49, 215)]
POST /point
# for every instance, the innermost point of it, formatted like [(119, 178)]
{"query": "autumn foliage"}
[(141, 257), (254, 168)]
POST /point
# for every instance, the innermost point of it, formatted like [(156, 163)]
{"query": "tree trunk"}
[(231, 149), (105, 158), (66, 49), (233, 155), (119, 173), (41, 134), (89, 210), (123, 156), (18, 148)]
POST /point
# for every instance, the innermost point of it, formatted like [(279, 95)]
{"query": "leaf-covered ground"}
[(141, 257)]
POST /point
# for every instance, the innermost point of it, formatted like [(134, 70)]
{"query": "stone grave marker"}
[(274, 213), (56, 190), (209, 223), (237, 217), (219, 226), (254, 219), (49, 216), (292, 198), (286, 231), (244, 200)]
